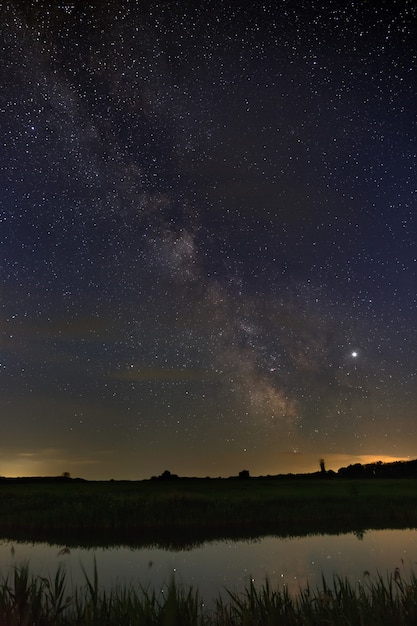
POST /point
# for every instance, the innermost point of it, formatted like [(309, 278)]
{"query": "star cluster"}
[(208, 236)]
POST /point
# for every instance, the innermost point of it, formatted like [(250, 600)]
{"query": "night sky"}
[(208, 236)]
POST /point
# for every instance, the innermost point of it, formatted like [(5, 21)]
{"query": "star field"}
[(208, 236)]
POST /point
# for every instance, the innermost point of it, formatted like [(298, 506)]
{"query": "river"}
[(217, 565)]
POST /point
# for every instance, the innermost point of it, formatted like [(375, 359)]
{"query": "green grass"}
[(188, 511), (26, 599)]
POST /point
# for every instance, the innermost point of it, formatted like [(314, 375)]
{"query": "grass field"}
[(193, 510)]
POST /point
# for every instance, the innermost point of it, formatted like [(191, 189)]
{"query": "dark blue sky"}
[(205, 211)]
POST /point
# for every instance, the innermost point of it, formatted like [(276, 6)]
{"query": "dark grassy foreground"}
[(36, 601), (186, 511)]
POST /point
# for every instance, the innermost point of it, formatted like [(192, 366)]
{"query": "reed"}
[(27, 599)]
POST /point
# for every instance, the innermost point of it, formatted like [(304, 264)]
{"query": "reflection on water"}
[(227, 564)]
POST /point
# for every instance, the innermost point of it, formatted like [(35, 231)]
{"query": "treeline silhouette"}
[(395, 469)]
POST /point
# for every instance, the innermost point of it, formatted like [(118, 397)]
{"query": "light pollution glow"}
[(49, 464)]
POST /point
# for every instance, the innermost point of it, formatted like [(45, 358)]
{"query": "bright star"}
[(354, 354)]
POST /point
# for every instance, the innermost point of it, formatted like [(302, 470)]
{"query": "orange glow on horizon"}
[(337, 461), (301, 463)]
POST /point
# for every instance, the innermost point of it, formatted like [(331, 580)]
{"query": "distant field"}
[(185, 511)]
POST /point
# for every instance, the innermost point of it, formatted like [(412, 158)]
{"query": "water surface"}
[(217, 565)]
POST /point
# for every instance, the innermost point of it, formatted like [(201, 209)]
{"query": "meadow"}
[(188, 511)]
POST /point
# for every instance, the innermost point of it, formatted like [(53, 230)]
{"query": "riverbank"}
[(31, 599), (188, 511)]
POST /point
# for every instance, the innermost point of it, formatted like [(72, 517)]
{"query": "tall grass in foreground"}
[(30, 600)]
